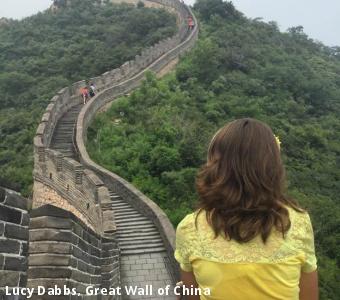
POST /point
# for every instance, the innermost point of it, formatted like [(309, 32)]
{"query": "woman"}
[(247, 240)]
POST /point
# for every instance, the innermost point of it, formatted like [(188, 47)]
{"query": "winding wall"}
[(80, 185)]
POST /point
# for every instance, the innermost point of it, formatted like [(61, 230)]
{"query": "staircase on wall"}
[(65, 174), (143, 254)]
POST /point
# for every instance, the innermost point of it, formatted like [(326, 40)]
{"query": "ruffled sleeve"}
[(310, 263), (185, 235)]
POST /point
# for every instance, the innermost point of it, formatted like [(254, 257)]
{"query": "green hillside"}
[(46, 52), (157, 138)]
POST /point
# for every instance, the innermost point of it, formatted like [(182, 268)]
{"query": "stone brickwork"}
[(82, 189), (46, 195), (142, 269), (63, 251), (72, 182), (14, 221), (75, 183), (115, 183)]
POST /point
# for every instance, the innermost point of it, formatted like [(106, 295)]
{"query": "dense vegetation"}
[(46, 52), (157, 138)]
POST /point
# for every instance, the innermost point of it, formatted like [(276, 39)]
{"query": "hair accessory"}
[(278, 141)]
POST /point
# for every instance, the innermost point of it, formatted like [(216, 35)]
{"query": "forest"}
[(42, 54), (157, 137)]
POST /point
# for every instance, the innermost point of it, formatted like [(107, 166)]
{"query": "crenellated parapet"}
[(64, 252), (74, 184), (77, 184), (114, 182)]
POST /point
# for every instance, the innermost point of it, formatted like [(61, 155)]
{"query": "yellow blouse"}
[(254, 270)]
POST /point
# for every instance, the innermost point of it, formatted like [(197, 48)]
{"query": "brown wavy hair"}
[(241, 187)]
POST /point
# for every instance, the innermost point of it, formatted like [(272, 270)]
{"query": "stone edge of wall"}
[(65, 252), (113, 181), (69, 97), (14, 222)]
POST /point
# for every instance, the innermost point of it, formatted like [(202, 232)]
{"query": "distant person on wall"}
[(191, 23), (92, 90), (85, 94), (247, 240)]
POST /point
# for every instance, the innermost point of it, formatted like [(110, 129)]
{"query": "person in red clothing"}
[(191, 23), (84, 93)]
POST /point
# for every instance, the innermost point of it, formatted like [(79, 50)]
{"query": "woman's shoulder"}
[(299, 219), (188, 222), (301, 230)]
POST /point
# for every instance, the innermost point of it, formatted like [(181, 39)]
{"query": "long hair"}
[(241, 187)]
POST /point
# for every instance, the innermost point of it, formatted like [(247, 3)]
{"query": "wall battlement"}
[(50, 246), (64, 251), (14, 222), (81, 187)]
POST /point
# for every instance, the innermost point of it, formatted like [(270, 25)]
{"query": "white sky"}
[(18, 9), (320, 18)]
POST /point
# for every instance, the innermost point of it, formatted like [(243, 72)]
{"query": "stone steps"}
[(127, 209), (62, 139), (151, 243), (125, 252), (140, 225), (138, 236), (135, 233), (135, 246), (130, 216), (120, 205)]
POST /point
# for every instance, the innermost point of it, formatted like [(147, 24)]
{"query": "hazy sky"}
[(320, 18)]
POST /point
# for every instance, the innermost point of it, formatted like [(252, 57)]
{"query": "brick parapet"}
[(14, 222), (70, 96), (115, 183), (74, 183), (65, 252)]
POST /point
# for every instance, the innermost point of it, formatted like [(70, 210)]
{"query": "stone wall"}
[(113, 181), (51, 246), (63, 182), (77, 185), (64, 251), (14, 221)]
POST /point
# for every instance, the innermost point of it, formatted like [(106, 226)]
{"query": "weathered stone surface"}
[(9, 278), (23, 280), (16, 232), (51, 235), (11, 215), (49, 210), (2, 228), (2, 195), (49, 272), (50, 247), (48, 260), (81, 276), (9, 246), (24, 249), (2, 259), (80, 254), (25, 219), (47, 283), (15, 263), (15, 200), (50, 222)]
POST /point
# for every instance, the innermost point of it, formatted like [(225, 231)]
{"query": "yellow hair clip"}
[(278, 141)]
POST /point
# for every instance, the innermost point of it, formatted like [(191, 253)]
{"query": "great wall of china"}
[(86, 226)]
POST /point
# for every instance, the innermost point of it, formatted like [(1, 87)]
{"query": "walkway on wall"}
[(144, 241), (144, 258)]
